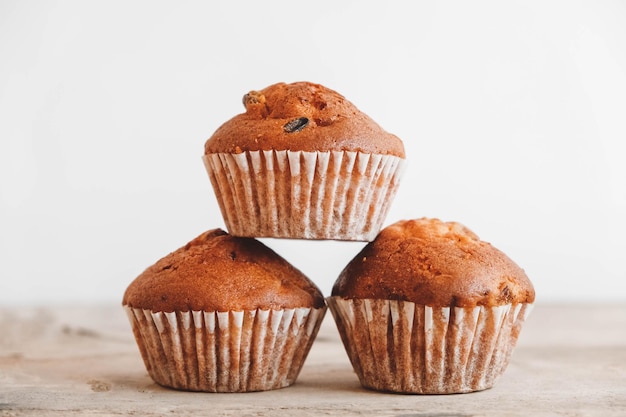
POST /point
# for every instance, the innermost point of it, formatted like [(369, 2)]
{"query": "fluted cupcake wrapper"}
[(399, 346), (305, 195), (232, 351)]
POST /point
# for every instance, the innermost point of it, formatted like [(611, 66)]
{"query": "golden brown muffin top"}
[(435, 263), (301, 116), (220, 272)]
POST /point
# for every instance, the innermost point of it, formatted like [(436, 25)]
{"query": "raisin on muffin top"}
[(301, 116)]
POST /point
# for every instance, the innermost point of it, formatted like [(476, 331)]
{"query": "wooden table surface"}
[(62, 361)]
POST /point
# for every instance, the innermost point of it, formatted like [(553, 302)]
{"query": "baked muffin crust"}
[(434, 263), (219, 272), (301, 116)]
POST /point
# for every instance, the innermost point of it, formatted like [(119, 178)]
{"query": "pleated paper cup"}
[(232, 351), (304, 195), (399, 346)]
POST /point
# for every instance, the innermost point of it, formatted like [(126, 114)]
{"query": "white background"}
[(513, 115)]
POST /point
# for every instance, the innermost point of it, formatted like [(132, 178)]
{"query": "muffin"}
[(303, 162), (223, 314), (429, 308)]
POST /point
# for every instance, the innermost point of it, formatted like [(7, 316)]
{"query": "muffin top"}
[(220, 272), (434, 263), (301, 116)]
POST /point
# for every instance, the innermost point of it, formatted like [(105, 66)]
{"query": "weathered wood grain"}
[(61, 361)]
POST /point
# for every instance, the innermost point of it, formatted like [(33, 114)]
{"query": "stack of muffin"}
[(425, 307)]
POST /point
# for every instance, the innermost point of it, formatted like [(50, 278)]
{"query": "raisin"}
[(296, 125)]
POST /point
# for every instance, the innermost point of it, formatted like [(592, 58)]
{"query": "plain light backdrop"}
[(513, 115)]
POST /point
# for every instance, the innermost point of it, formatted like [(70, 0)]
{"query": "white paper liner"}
[(306, 195), (399, 346), (232, 351)]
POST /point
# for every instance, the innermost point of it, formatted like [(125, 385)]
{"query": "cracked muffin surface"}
[(434, 263)]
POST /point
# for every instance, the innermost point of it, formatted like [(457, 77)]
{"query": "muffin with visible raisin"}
[(303, 162), (429, 308), (223, 314)]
